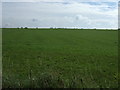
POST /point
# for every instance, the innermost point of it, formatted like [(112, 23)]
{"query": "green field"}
[(60, 58)]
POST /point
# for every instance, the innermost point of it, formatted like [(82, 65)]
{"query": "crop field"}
[(59, 58)]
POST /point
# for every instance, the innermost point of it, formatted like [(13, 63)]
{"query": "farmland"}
[(38, 58)]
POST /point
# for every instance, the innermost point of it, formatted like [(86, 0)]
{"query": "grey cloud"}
[(6, 25), (77, 18), (34, 20)]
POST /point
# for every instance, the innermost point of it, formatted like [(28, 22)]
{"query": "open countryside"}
[(60, 58)]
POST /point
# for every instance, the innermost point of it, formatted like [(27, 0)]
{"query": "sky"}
[(0, 14), (60, 13)]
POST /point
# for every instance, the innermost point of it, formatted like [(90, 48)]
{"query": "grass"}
[(0, 58), (38, 58)]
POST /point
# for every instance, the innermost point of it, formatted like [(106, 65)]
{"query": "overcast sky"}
[(60, 13)]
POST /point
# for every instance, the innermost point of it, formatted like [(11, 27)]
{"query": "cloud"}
[(119, 14), (32, 0), (60, 0), (0, 15), (6, 25), (74, 14), (34, 20)]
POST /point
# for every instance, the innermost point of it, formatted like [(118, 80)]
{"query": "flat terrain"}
[(60, 58)]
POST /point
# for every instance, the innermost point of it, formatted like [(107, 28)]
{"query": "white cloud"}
[(0, 14), (59, 15), (32, 0), (60, 0)]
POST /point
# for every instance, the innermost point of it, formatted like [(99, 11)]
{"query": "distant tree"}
[(26, 27), (21, 27), (36, 27)]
